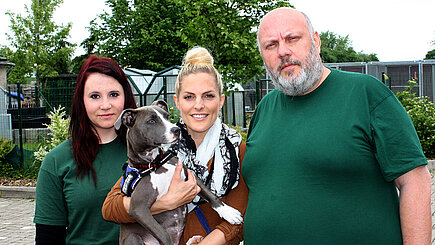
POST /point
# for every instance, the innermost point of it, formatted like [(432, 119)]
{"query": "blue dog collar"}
[(129, 180), (133, 175)]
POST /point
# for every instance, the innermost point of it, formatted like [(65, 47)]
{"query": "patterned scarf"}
[(220, 142)]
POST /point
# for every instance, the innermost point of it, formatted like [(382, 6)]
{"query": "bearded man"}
[(332, 157)]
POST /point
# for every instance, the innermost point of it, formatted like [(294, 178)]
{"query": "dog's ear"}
[(162, 104), (127, 117)]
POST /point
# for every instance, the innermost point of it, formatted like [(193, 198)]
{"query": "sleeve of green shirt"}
[(50, 208), (398, 149)]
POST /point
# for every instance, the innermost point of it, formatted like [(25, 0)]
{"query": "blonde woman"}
[(209, 148)]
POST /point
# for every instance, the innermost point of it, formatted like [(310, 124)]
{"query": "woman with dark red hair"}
[(76, 176)]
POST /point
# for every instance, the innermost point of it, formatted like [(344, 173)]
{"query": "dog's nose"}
[(176, 131)]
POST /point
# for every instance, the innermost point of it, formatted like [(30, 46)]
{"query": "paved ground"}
[(16, 220)]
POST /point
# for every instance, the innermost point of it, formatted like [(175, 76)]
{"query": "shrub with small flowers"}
[(58, 133), (422, 113)]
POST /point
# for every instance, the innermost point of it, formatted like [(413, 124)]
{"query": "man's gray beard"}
[(308, 77)]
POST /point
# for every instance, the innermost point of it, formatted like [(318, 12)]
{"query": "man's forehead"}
[(278, 31), (282, 24)]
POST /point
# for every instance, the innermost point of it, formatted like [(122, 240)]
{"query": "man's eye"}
[(290, 39), (270, 45)]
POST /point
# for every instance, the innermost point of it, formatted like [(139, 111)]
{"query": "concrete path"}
[(16, 219)]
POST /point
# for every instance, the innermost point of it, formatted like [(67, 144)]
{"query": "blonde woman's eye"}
[(210, 96), (188, 97)]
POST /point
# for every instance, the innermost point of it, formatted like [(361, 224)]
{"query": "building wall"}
[(5, 119), (3, 76)]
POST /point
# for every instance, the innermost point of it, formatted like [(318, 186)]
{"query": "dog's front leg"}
[(226, 212), (141, 200)]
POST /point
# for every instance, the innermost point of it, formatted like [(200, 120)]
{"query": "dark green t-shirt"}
[(64, 200), (320, 167)]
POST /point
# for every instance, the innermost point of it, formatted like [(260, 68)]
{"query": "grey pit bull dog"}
[(148, 129)]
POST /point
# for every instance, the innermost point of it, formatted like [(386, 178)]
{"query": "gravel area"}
[(17, 182)]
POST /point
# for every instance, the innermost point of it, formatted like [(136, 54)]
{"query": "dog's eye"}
[(151, 121)]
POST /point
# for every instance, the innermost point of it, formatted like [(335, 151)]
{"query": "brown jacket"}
[(113, 210)]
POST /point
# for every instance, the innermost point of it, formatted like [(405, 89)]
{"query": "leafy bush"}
[(6, 146), (26, 172), (174, 114), (58, 133), (10, 165), (241, 131), (422, 113)]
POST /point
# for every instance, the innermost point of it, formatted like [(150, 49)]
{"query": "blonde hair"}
[(197, 60)]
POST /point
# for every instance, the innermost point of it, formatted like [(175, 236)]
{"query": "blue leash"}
[(202, 219)]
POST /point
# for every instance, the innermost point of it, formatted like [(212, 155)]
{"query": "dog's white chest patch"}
[(162, 181)]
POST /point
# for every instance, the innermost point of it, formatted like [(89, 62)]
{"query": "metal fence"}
[(23, 114), (397, 74), (27, 114)]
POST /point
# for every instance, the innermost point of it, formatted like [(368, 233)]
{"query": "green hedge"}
[(422, 113)]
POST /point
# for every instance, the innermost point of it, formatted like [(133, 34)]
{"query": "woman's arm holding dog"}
[(117, 205), (113, 207)]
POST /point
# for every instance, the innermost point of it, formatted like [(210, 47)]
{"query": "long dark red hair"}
[(85, 140)]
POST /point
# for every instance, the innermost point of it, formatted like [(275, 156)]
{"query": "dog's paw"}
[(230, 214)]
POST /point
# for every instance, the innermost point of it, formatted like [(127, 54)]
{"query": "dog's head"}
[(148, 126)]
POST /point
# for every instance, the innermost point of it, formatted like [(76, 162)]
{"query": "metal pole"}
[(257, 91), (165, 92), (234, 108), (37, 104), (389, 82), (244, 110), (9, 97), (420, 79), (20, 124), (433, 83)]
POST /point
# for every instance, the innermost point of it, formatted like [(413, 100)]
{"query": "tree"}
[(141, 34), (430, 55), (228, 30), (155, 34), (336, 48), (40, 46)]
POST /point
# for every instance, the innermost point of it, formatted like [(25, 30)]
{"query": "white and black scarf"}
[(220, 143)]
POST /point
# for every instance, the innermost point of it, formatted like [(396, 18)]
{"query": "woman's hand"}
[(126, 202), (180, 192), (194, 240)]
